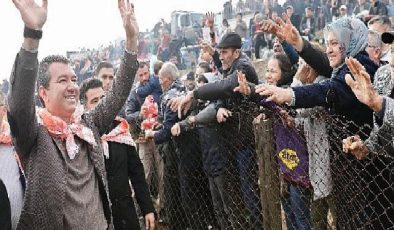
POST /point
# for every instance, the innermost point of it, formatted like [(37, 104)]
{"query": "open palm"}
[(33, 15), (286, 31), (361, 84), (128, 17), (210, 21)]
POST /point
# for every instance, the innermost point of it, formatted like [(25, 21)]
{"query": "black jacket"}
[(240, 124), (124, 164), (223, 89)]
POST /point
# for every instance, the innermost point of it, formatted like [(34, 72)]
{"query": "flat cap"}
[(230, 40)]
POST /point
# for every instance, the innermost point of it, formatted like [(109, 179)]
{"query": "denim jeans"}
[(296, 204)]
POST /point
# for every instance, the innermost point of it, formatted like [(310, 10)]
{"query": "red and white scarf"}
[(60, 129), (6, 139), (120, 134)]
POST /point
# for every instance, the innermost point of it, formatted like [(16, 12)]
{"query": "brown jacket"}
[(42, 156)]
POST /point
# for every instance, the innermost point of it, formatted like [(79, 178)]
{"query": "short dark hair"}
[(157, 66), (103, 65), (287, 69), (43, 71), (202, 78), (43, 74), (142, 65), (91, 83), (205, 66)]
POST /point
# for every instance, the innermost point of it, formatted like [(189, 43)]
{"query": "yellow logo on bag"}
[(289, 158)]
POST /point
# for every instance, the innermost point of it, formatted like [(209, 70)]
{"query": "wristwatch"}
[(30, 33)]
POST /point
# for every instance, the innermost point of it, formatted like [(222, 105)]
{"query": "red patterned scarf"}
[(120, 134), (60, 129)]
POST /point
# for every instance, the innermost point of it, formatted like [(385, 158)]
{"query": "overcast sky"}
[(84, 23)]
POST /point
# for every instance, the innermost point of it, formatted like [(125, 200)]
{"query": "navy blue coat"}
[(334, 94), (169, 117), (151, 88)]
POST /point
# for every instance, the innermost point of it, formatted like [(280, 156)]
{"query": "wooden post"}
[(268, 174)]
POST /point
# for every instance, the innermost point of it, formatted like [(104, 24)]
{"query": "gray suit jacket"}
[(42, 155)]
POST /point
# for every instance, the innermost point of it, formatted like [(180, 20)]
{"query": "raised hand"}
[(270, 26), (243, 86), (129, 23), (210, 19), (286, 31), (207, 48), (361, 85), (33, 15), (303, 73)]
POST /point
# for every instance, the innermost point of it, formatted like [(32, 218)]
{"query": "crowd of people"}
[(85, 138)]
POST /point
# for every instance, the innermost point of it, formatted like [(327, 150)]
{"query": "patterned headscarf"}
[(351, 33)]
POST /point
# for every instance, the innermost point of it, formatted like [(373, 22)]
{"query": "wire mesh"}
[(278, 168)]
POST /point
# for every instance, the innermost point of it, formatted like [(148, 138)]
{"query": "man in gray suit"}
[(60, 150)]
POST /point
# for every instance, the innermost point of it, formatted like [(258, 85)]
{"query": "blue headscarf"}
[(351, 33)]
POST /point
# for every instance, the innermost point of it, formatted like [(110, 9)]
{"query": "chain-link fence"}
[(262, 169)]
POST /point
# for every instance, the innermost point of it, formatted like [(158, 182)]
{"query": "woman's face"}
[(335, 52), (274, 73)]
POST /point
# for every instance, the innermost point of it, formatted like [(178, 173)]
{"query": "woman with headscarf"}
[(344, 37)]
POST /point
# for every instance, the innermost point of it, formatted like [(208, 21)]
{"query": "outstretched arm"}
[(109, 107), (22, 115)]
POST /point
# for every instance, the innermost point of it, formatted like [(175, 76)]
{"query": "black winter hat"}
[(230, 40), (388, 37)]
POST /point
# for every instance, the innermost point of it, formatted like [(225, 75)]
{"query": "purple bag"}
[(291, 150), (292, 154)]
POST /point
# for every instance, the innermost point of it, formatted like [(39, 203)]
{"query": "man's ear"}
[(238, 53), (42, 93)]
